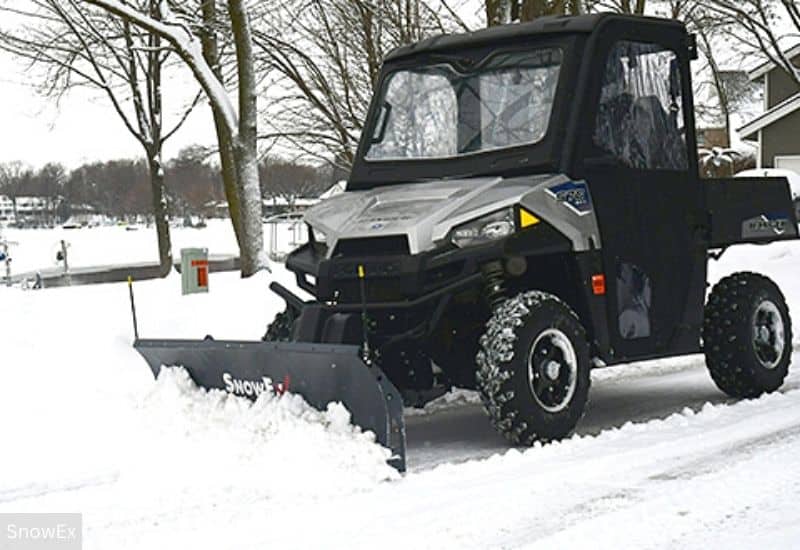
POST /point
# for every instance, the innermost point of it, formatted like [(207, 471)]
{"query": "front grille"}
[(396, 245)]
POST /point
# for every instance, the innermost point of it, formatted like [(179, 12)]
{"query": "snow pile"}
[(211, 441), (89, 430), (454, 398)]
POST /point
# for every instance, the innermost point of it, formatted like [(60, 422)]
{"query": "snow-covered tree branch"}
[(236, 130)]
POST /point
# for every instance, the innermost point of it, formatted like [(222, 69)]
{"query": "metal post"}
[(8, 264), (366, 353), (133, 308), (67, 276), (64, 253)]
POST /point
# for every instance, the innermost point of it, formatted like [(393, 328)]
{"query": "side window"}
[(640, 115)]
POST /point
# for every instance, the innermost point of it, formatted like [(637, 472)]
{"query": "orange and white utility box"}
[(194, 270)]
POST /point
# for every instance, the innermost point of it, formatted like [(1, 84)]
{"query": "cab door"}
[(648, 201)]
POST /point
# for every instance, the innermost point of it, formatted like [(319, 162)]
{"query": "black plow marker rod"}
[(365, 351), (133, 308)]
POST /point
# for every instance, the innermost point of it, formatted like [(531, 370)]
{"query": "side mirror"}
[(382, 123)]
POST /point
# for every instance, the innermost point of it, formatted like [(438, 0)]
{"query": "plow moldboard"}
[(321, 373)]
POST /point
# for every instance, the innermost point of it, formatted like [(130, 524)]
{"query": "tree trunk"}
[(252, 230), (245, 148), (160, 212), (208, 39), (495, 12), (229, 176)]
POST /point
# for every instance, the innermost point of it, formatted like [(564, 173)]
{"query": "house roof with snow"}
[(778, 112), (775, 129), (760, 70)]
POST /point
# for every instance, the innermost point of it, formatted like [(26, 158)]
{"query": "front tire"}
[(533, 368), (281, 328), (747, 335)]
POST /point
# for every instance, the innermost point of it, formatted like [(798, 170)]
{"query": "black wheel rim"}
[(769, 336), (552, 370)]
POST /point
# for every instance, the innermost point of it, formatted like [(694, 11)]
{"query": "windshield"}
[(439, 111)]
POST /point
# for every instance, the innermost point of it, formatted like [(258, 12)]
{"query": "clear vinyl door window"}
[(640, 119)]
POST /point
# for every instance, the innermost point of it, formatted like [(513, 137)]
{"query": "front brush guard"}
[(320, 373)]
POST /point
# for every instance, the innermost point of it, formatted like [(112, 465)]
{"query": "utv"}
[(525, 205)]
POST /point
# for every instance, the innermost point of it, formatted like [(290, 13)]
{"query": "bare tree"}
[(327, 55), (633, 7), (499, 12), (77, 46), (237, 129), (12, 175), (290, 180), (759, 27)]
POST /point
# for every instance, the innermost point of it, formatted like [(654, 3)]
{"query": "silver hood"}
[(424, 212)]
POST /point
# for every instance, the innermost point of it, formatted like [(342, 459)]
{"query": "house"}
[(6, 210), (36, 211), (279, 205), (777, 129), (270, 206)]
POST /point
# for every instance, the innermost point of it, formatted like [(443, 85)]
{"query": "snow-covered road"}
[(631, 393)]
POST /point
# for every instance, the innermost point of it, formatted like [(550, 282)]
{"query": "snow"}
[(662, 459), (114, 245)]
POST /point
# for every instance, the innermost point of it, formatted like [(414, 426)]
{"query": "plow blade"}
[(320, 373)]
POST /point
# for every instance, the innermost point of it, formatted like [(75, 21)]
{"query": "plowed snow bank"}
[(215, 440)]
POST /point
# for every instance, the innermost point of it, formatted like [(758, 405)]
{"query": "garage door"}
[(788, 163)]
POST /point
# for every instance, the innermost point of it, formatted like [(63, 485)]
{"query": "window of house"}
[(640, 115)]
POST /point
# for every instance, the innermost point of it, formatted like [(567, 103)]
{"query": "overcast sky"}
[(82, 128)]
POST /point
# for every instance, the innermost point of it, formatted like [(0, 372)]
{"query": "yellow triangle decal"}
[(526, 219)]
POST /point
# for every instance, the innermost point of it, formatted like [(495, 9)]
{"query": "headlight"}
[(488, 228)]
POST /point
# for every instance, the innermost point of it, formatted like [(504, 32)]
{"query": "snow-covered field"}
[(36, 249), (661, 460)]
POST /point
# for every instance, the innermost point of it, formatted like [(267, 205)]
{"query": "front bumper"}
[(388, 278)]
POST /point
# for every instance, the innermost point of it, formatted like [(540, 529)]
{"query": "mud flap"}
[(321, 373)]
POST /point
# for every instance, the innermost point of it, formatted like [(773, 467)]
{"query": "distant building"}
[(216, 209), (35, 211), (281, 205), (711, 137), (269, 206), (776, 130), (6, 210)]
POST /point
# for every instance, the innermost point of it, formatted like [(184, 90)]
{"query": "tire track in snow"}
[(638, 393), (34, 490)]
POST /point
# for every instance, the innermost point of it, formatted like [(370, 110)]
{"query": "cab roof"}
[(542, 26)]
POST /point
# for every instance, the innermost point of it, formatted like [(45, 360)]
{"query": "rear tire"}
[(747, 335), (533, 368)]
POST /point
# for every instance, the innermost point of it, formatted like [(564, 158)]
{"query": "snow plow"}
[(322, 374), (524, 206)]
